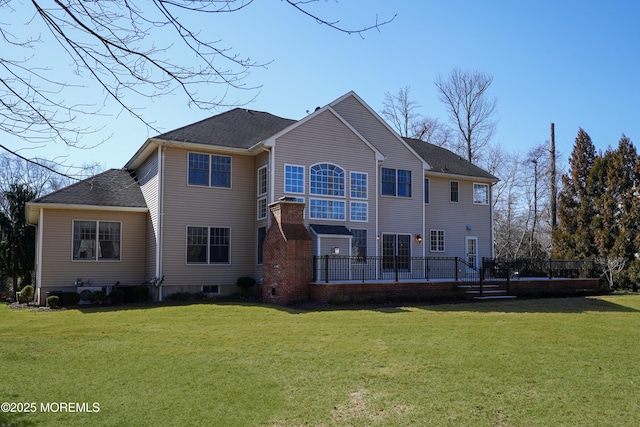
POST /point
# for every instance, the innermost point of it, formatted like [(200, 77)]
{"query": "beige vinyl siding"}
[(454, 217), (396, 214), (233, 208), (148, 179), (261, 160), (325, 139), (328, 243), (59, 270)]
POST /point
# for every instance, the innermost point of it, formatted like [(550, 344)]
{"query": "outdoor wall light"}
[(336, 250), (469, 227), (419, 238)]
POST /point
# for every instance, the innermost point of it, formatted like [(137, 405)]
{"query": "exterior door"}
[(396, 247), (472, 251)]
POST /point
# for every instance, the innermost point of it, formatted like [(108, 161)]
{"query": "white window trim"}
[(259, 215), (208, 263), (397, 184), (284, 176), (266, 177), (316, 195), (210, 293), (366, 191), (209, 174), (474, 193), (452, 201), (328, 200), (97, 221), (444, 240), (351, 210)]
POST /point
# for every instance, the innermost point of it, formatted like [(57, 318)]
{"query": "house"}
[(190, 210)]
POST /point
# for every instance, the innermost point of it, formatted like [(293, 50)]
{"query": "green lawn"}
[(548, 362)]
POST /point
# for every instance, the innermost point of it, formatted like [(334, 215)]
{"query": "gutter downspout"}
[(424, 218), (39, 230), (378, 242), (159, 251)]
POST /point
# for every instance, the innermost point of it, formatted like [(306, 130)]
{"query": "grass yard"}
[(548, 362)]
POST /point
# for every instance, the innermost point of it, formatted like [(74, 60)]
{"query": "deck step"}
[(490, 297)]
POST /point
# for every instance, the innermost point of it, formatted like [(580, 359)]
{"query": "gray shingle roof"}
[(114, 187), (237, 128), (442, 160), (337, 230)]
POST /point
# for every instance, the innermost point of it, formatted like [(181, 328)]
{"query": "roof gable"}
[(444, 161)]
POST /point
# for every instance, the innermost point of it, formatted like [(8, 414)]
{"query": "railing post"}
[(481, 280), (395, 264), (550, 268), (426, 268), (326, 268), (456, 268)]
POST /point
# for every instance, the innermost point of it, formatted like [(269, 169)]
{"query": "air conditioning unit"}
[(85, 291)]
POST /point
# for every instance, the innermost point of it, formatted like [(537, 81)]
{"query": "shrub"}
[(116, 296), (245, 283), (53, 301), (70, 298), (186, 296), (96, 297), (140, 293), (340, 300), (26, 294)]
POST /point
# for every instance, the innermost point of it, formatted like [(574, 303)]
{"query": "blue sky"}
[(574, 63)]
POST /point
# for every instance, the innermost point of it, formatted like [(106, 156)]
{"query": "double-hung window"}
[(455, 195), (96, 240), (261, 191), (480, 194), (437, 241), (208, 245), (396, 182), (209, 170)]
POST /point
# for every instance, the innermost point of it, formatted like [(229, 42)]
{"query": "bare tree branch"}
[(465, 96), (117, 45)]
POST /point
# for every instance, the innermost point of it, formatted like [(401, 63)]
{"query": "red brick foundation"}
[(326, 292)]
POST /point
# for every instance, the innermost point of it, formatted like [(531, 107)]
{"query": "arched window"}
[(327, 180)]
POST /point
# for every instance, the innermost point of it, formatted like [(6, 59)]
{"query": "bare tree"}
[(402, 113), (470, 108), (117, 45), (610, 267)]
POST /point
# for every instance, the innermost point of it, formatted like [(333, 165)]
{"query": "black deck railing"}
[(530, 267), (339, 268), (333, 268)]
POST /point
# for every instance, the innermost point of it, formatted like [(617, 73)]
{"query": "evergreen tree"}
[(17, 238), (617, 207), (574, 236)]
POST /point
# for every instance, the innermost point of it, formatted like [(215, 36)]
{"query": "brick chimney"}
[(287, 266)]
